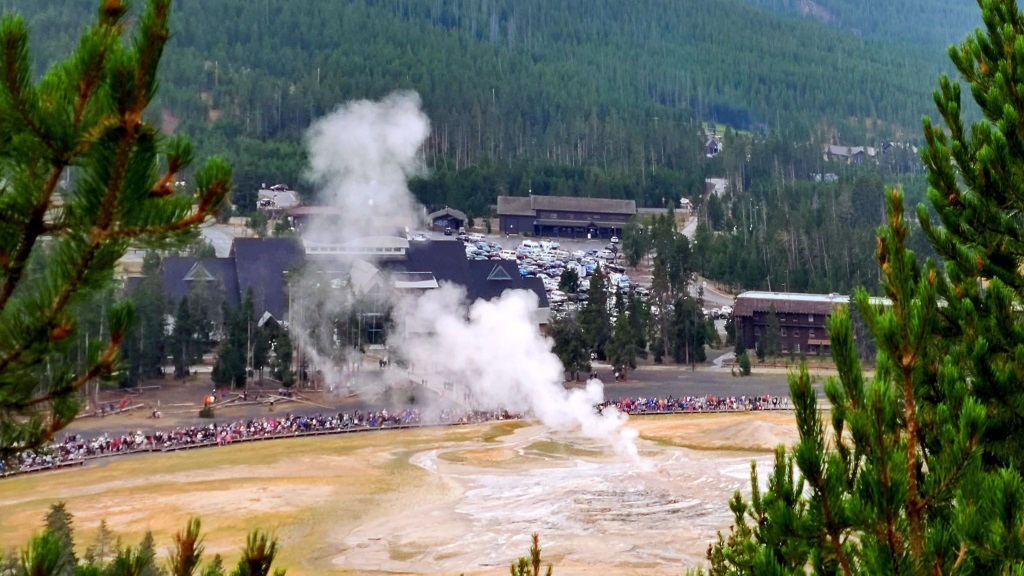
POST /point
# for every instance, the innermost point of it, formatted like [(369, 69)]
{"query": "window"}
[(810, 333), (783, 330), (797, 349), (810, 317), (757, 330)]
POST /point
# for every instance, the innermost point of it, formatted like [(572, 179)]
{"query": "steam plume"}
[(496, 355), (361, 157)]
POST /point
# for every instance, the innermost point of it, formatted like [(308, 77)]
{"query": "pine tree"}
[(147, 552), (639, 320), (43, 556), (530, 566), (623, 350), (59, 524), (188, 549), (284, 355), (143, 349), (595, 319), (569, 345), (636, 242), (743, 360), (104, 547), (63, 229), (261, 336), (182, 339), (688, 331), (773, 334), (661, 317), (569, 281), (974, 187), (898, 487), (232, 356), (258, 556)]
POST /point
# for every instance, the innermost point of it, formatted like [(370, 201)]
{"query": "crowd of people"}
[(76, 448), (708, 403)]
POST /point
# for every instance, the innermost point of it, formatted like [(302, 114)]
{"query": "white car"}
[(615, 240)]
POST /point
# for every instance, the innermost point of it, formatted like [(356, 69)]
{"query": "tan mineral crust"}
[(432, 501)]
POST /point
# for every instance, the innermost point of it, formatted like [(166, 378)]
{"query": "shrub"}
[(744, 362)]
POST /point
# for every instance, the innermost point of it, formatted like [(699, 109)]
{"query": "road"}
[(712, 297), (690, 228)]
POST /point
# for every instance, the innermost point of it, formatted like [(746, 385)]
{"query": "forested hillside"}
[(574, 82), (723, 60), (929, 25), (579, 97)]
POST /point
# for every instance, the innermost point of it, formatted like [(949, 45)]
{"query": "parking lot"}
[(548, 259)]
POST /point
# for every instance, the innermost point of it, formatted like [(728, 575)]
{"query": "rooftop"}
[(792, 302), (529, 205)]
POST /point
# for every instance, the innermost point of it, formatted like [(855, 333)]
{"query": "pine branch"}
[(948, 481), (61, 122), (33, 229), (16, 78), (102, 365)]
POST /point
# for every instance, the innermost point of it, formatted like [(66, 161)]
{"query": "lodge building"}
[(374, 264), (564, 216), (802, 319)]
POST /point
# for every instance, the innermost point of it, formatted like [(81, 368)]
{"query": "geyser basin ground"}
[(436, 501)]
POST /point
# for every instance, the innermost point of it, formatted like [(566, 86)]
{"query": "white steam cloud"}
[(361, 157), (495, 354), (489, 355)]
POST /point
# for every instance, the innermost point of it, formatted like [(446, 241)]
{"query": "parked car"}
[(615, 239)]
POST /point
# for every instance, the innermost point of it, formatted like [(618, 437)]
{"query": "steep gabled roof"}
[(181, 274), (447, 212), (488, 279), (499, 273), (198, 272), (261, 264), (446, 259)]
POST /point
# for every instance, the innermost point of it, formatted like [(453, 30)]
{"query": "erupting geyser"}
[(361, 157)]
